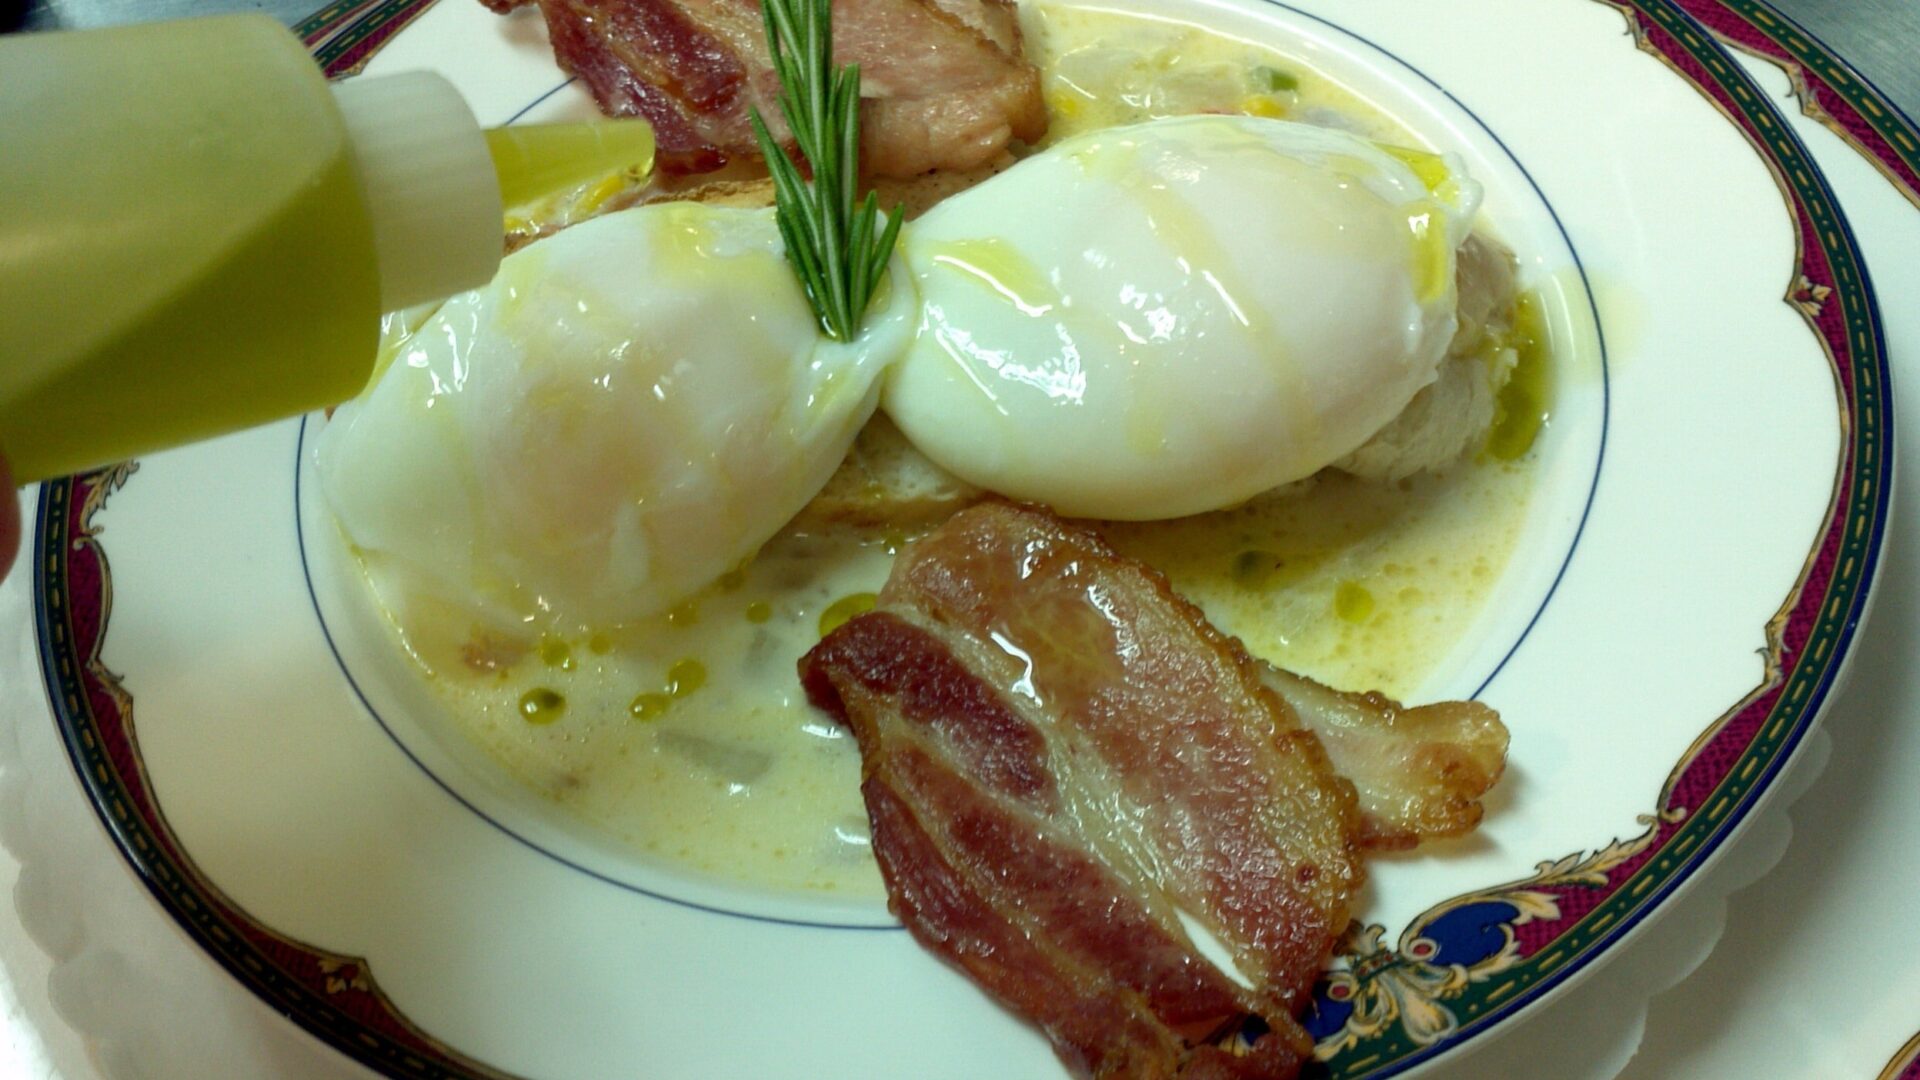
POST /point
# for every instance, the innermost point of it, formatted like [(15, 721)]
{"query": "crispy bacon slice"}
[(1420, 772), (1064, 765), (943, 82)]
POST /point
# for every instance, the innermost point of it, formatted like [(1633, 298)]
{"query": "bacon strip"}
[(1420, 773), (646, 58), (1061, 760), (943, 82)]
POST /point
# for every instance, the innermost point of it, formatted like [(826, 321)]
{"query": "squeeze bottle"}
[(199, 233)]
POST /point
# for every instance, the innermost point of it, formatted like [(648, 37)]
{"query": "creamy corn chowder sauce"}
[(1103, 68), (687, 737)]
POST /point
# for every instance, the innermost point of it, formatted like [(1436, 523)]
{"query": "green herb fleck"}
[(1274, 79)]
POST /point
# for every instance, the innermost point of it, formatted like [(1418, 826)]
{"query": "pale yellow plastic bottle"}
[(198, 233)]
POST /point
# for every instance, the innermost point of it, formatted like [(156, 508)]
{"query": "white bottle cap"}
[(429, 183)]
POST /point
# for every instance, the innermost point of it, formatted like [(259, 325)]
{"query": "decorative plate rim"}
[(1828, 88), (1360, 1006), (1905, 1063)]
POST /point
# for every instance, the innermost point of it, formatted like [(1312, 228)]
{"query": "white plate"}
[(1708, 520)]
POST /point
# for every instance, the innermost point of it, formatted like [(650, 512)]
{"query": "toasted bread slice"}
[(886, 483), (1451, 415)]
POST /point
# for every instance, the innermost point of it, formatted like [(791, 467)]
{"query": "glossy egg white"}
[(630, 409), (1168, 318)]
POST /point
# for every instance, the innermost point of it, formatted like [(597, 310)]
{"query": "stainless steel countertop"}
[(1881, 38)]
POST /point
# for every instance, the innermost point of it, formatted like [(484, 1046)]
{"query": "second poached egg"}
[(1169, 318)]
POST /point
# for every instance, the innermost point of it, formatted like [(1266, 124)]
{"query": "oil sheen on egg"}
[(1209, 307), (628, 410)]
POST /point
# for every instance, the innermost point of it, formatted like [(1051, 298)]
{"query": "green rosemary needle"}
[(833, 240)]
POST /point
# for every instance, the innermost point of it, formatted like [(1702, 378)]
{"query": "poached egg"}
[(627, 411), (1172, 317)]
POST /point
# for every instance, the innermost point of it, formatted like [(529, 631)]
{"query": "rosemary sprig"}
[(831, 238)]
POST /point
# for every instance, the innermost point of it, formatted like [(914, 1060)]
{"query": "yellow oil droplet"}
[(649, 707), (1002, 269), (1064, 104), (1263, 105), (1429, 167), (845, 608), (684, 614), (1432, 255), (600, 644), (597, 195), (759, 611), (894, 541), (685, 677), (542, 706), (1521, 410), (556, 653), (1352, 602)]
